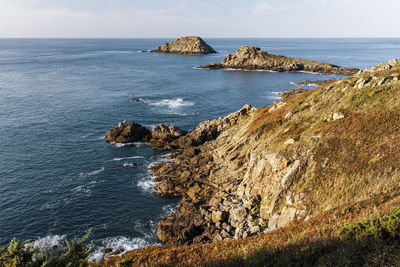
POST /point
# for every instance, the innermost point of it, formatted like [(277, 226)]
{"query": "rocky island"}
[(186, 45), (314, 158), (252, 58)]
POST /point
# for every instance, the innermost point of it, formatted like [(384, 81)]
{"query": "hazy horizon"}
[(222, 19)]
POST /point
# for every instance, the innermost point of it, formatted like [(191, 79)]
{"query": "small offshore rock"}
[(127, 132), (186, 45), (253, 58)]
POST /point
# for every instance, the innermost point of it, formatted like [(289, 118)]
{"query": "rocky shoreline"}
[(257, 170), (252, 58), (186, 45)]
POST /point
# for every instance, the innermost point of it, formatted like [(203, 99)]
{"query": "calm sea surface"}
[(59, 97)]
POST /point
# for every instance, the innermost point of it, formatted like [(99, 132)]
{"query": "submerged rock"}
[(186, 45), (127, 132), (252, 58)]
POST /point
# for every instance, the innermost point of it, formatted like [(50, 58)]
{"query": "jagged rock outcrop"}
[(259, 169), (162, 136), (291, 92), (127, 132), (252, 58), (186, 45)]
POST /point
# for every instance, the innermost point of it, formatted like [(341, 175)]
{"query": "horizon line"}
[(362, 37)]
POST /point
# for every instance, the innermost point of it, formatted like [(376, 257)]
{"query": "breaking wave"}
[(170, 102)]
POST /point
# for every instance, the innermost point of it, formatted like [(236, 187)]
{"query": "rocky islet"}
[(253, 58), (186, 45)]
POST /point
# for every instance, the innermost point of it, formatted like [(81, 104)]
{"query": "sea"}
[(59, 97)]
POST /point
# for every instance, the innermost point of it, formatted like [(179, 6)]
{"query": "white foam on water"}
[(294, 83), (50, 242), (118, 243), (170, 102), (310, 72), (274, 96), (82, 189), (161, 160), (124, 144), (147, 184), (133, 157), (96, 171), (167, 210)]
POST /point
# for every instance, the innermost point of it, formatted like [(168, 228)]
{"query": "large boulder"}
[(127, 132), (186, 45)]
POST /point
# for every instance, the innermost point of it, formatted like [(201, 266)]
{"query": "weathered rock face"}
[(252, 58), (127, 132), (259, 169), (163, 135), (186, 45)]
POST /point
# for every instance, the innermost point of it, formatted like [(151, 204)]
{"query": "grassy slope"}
[(352, 159)]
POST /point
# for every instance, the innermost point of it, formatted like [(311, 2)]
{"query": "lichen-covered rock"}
[(186, 45), (252, 58), (127, 132)]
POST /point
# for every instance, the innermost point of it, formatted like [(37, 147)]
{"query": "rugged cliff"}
[(252, 58), (259, 169), (186, 45)]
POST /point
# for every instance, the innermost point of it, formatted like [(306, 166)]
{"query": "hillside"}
[(258, 170)]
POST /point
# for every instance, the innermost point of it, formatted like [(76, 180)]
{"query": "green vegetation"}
[(372, 241), (20, 253), (384, 227)]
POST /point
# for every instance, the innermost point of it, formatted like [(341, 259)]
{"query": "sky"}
[(206, 18)]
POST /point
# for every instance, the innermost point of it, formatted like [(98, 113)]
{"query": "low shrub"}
[(22, 253)]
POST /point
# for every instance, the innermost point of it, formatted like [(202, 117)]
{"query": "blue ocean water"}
[(58, 98)]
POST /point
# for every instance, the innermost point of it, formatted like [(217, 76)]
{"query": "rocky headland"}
[(257, 170), (316, 83), (186, 45), (252, 58)]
